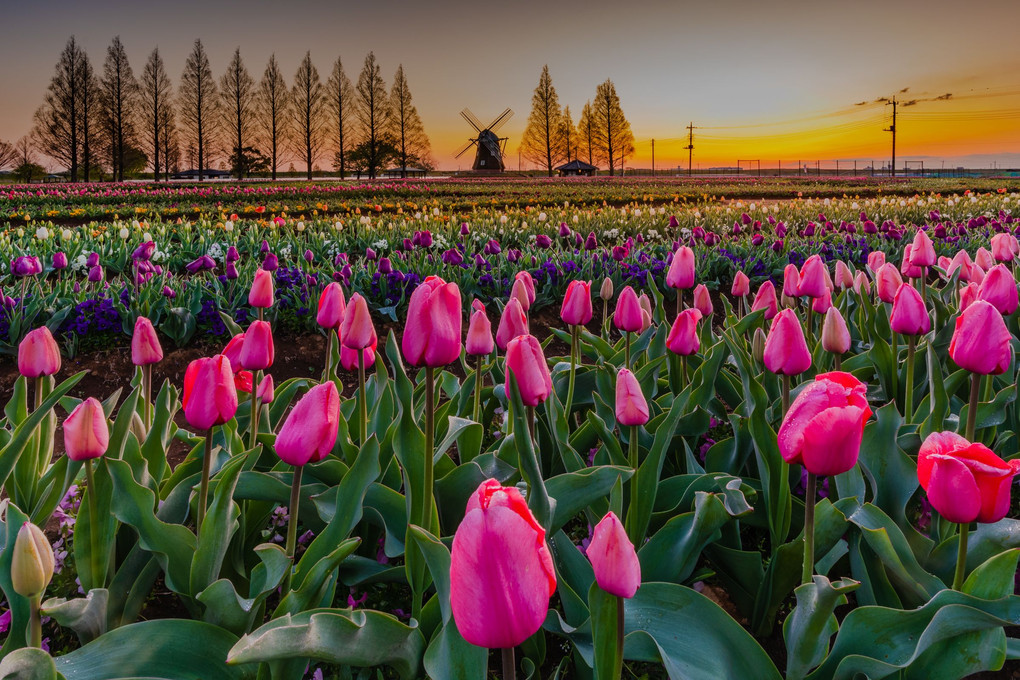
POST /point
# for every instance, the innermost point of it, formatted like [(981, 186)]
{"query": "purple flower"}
[(95, 274), (232, 254), (231, 271), (264, 248), (564, 230), (26, 265), (309, 256), (492, 247), (271, 262), (464, 229), (591, 243), (452, 257), (59, 260), (673, 222), (385, 267), (169, 293), (370, 255), (92, 260), (543, 241), (144, 251), (195, 265)]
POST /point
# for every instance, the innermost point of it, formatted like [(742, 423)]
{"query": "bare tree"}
[(197, 101), (25, 150), (308, 109), (237, 88), (8, 154), (540, 143), (613, 138), (373, 111), (171, 150), (272, 110), (567, 135), (405, 127), (56, 129), (586, 134), (91, 115), (340, 103), (118, 100), (154, 97)]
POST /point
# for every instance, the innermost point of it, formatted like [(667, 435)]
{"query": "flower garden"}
[(458, 429)]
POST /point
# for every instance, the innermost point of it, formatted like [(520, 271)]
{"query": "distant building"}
[(410, 172), (576, 168), (206, 174)]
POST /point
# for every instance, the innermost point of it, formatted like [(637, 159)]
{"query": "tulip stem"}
[(975, 391), (838, 361), (529, 412), (35, 621), (809, 328), (627, 348), (908, 398), (896, 369), (632, 450), (330, 333), (147, 392), (786, 393), (924, 287), (509, 667), (203, 489), (430, 435), (95, 558), (683, 370), (961, 557), (679, 300), (476, 411), (362, 399), (574, 337), (618, 671), (809, 529), (295, 502), (253, 425), (38, 392), (605, 315)]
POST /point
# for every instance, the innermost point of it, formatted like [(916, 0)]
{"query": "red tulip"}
[(703, 300), (681, 270), (38, 354), (526, 362), (813, 275), (501, 571), (766, 299), (432, 332), (210, 397), (909, 315), (999, 289), (332, 306), (86, 434), (981, 340), (479, 335), (741, 285), (613, 558), (683, 334), (965, 482), (261, 293), (887, 282), (512, 322), (631, 407), (823, 428), (145, 347), (257, 350), (576, 309), (786, 351), (309, 433), (791, 281), (922, 251), (835, 335), (357, 331), (627, 316)]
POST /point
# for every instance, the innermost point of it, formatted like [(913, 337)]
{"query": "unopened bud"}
[(758, 345), (31, 562), (606, 292)]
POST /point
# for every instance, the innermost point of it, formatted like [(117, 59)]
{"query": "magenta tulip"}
[(261, 293), (257, 350), (681, 271), (765, 299), (310, 430), (791, 281), (887, 282), (813, 274), (631, 407), (981, 340), (998, 288), (210, 397), (741, 285), (526, 362), (922, 250), (835, 335), (512, 322), (613, 558), (433, 329), (627, 316), (357, 331), (683, 334), (577, 308), (332, 306), (786, 350), (703, 301), (479, 335), (965, 482), (86, 434), (909, 315)]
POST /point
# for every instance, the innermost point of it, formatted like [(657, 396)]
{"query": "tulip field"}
[(638, 428)]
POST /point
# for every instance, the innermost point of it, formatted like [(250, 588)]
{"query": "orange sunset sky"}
[(780, 81)]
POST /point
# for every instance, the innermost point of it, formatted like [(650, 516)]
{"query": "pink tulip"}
[(38, 354), (981, 341), (433, 329), (962, 262), (357, 331), (501, 571), (233, 352), (844, 277), (909, 315), (968, 294), (310, 431), (479, 335), (631, 407), (965, 482), (681, 270), (526, 362), (999, 288), (524, 277), (944, 264), (909, 270), (257, 350), (261, 294), (822, 303), (210, 397), (887, 282), (861, 284), (984, 259), (1004, 247), (922, 251), (703, 301), (627, 316), (349, 357), (145, 347), (683, 334), (266, 392), (520, 292), (791, 281), (86, 434), (576, 309), (823, 428), (512, 322), (766, 299), (835, 335), (332, 306), (786, 350), (812, 277), (876, 258), (613, 558), (741, 285)]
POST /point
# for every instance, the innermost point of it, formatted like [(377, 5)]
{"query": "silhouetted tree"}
[(8, 154), (308, 110), (91, 117), (118, 100), (373, 111), (197, 101), (237, 88), (540, 141), (586, 134), (567, 135), (405, 127), (271, 110), (155, 95), (613, 139), (57, 122), (340, 103)]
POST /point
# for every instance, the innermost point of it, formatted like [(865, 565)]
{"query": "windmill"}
[(490, 146)]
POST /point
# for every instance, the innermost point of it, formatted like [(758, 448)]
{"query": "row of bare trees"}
[(602, 135), (89, 122)]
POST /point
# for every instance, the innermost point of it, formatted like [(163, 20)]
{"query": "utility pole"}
[(653, 157), (690, 146), (892, 129)]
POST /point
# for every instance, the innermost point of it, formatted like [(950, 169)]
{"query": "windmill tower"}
[(489, 145)]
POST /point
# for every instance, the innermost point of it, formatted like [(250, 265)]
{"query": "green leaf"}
[(604, 625), (672, 552), (574, 491), (810, 626), (13, 519), (225, 608), (29, 663), (86, 616)]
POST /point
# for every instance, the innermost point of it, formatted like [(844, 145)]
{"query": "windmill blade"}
[(465, 149), (501, 120), (472, 121), (492, 144)]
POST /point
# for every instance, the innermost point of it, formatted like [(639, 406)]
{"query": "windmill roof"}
[(577, 165)]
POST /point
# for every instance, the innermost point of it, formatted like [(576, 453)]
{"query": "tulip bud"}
[(261, 294), (765, 299), (332, 306), (357, 331), (981, 341), (965, 482), (627, 316), (999, 289), (703, 301), (38, 354), (613, 558), (310, 431), (606, 291), (145, 347), (758, 345), (786, 351), (741, 285), (526, 362), (681, 270), (812, 281), (909, 315), (791, 281), (266, 391), (577, 309), (432, 333), (520, 293), (887, 282), (257, 350), (86, 434), (479, 336), (512, 323), (631, 407), (31, 561), (210, 397), (835, 335)]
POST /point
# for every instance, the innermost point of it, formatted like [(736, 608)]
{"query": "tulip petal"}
[(952, 490)]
